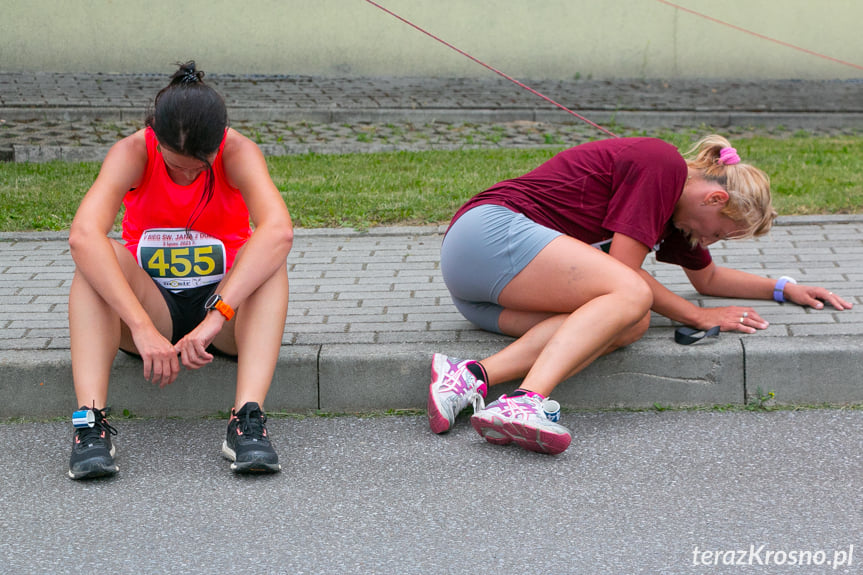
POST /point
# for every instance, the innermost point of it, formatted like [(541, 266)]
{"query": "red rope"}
[(495, 70), (580, 117), (763, 37)]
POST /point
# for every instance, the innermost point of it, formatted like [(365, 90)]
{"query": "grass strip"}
[(809, 175)]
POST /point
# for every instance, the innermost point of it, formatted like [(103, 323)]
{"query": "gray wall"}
[(525, 38)]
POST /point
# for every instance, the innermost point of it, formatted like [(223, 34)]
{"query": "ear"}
[(716, 198)]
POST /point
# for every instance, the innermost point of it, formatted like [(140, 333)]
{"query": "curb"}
[(345, 378)]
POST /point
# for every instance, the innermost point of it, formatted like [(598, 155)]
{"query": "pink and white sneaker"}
[(521, 420), (452, 388)]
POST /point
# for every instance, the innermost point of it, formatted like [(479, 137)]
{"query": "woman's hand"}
[(732, 318), (814, 297), (193, 347), (161, 366)]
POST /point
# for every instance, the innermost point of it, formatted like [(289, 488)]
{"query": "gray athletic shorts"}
[(481, 253)]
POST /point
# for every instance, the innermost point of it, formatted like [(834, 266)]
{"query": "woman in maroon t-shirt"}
[(520, 259)]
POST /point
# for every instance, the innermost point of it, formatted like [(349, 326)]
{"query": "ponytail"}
[(749, 202)]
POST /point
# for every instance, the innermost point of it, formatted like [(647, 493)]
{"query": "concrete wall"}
[(525, 38)]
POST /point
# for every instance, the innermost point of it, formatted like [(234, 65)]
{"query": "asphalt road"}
[(637, 492)]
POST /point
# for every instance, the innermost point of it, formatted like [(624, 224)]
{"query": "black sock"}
[(478, 371), (519, 392)]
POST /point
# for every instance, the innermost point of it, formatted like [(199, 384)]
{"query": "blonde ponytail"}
[(749, 204)]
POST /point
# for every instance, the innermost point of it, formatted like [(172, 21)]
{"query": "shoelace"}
[(87, 434), (518, 410), (252, 427), (451, 382)]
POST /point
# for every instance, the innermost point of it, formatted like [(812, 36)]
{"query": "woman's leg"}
[(580, 302), (97, 333), (514, 362), (255, 336)]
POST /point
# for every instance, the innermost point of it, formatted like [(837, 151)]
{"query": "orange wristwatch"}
[(215, 302)]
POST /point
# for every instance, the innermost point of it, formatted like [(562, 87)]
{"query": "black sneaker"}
[(247, 443), (92, 449)]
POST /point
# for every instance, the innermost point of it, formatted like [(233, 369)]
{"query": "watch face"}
[(211, 301)]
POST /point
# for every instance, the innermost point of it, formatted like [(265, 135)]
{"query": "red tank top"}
[(159, 203)]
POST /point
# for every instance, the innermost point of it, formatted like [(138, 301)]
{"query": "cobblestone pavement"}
[(78, 116), (363, 302), (282, 137)]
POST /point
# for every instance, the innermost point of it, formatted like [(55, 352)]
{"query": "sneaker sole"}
[(255, 466), (502, 432), (438, 422), (95, 471)]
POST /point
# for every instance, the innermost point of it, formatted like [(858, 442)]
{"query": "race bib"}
[(179, 260)]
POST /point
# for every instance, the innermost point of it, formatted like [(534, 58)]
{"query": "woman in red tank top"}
[(191, 277)]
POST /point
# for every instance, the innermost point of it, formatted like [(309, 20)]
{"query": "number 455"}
[(183, 262)]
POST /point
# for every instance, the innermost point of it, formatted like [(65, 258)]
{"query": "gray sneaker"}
[(521, 420), (452, 388)]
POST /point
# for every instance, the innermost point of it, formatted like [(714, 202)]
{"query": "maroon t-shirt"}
[(594, 190)]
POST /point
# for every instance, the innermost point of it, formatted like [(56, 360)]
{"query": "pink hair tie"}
[(728, 156)]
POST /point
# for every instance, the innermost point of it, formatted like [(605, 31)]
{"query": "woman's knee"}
[(636, 295)]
